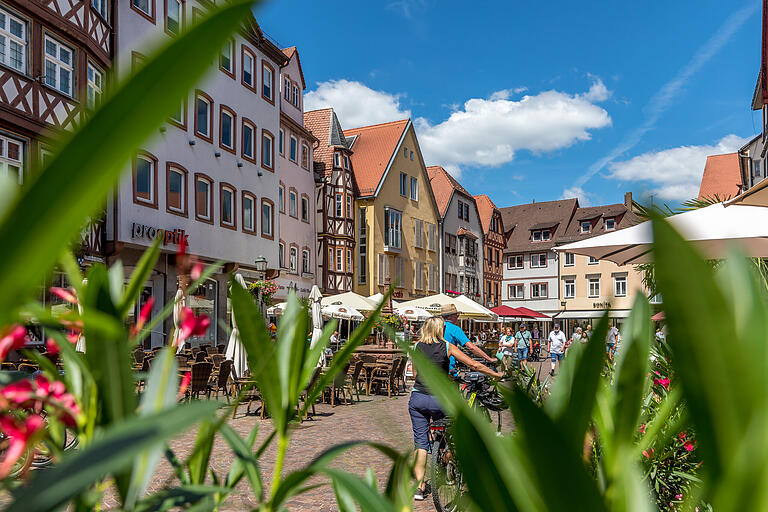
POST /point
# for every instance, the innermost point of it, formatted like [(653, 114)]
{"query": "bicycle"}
[(446, 477), (42, 454)]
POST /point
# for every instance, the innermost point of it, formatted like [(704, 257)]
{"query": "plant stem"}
[(282, 446)]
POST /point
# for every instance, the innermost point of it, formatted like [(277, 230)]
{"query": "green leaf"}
[(176, 465), (159, 395), (201, 454), (368, 499), (139, 277), (175, 497), (111, 454), (99, 152), (245, 459)]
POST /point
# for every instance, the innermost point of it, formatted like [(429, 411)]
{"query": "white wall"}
[(528, 275), (451, 223)]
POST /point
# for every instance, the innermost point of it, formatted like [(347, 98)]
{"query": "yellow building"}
[(396, 214), (588, 287)]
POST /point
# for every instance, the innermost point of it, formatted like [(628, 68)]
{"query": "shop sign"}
[(166, 235), (601, 305)]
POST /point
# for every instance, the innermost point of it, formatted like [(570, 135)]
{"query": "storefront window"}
[(203, 301)]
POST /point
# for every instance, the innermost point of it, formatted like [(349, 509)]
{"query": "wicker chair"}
[(382, 377), (8, 366), (200, 357), (305, 394), (201, 373), (221, 380), (251, 395), (195, 350), (28, 368), (352, 378), (217, 360), (222, 349), (337, 385), (182, 360)]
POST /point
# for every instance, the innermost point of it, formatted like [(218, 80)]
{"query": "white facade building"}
[(210, 173)]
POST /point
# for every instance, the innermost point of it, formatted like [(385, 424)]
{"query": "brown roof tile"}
[(466, 232), (521, 218), (443, 185), (373, 148), (318, 122), (485, 208), (722, 176), (597, 215)]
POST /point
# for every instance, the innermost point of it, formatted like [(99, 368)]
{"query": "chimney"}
[(628, 200)]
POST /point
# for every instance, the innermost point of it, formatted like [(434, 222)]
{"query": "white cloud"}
[(673, 174), (355, 103), (585, 198), (518, 90), (597, 92), (488, 132)]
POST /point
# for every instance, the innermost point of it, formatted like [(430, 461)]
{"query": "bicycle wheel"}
[(446, 478)]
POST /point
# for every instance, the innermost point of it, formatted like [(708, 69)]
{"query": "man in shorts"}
[(610, 341), (523, 338), (453, 334), (556, 346)]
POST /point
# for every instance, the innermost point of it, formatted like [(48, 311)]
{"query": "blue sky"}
[(540, 100)]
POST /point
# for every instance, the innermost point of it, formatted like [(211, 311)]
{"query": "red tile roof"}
[(485, 208), (319, 122), (722, 176), (373, 148), (521, 218), (466, 232), (443, 185)]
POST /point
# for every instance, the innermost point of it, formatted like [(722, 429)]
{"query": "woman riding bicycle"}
[(422, 406)]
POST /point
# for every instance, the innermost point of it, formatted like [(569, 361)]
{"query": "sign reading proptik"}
[(166, 235)]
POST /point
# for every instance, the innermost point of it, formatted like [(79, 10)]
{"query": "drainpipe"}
[(441, 252)]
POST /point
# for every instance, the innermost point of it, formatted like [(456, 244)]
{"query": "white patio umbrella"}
[(711, 230), (80, 345), (376, 299), (235, 349), (179, 303), (474, 309), (317, 320), (414, 314), (277, 309), (349, 300), (343, 313)]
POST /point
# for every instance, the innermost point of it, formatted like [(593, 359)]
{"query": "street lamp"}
[(261, 269)]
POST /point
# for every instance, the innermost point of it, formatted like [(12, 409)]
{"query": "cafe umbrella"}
[(235, 349), (179, 302)]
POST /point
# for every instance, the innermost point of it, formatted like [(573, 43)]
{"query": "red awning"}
[(658, 317), (507, 311), (532, 313)]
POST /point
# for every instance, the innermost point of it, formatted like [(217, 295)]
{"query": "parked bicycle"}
[(447, 481)]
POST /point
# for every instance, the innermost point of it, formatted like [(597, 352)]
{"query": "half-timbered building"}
[(335, 194), (494, 242)]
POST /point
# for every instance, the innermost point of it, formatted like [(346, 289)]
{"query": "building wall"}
[(423, 209), (606, 271), (296, 231), (337, 233), (459, 265), (493, 269), (529, 275), (136, 36)]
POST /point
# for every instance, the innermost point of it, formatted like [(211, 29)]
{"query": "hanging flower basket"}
[(267, 288)]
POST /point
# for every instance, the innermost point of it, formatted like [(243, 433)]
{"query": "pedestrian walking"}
[(507, 347), (556, 346), (523, 338), (610, 341)]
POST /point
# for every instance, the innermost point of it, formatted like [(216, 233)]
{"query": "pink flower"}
[(144, 314), (184, 384), (63, 294), (51, 346), (689, 446), (38, 393), (642, 428), (73, 336), (678, 497), (197, 271), (15, 394), (192, 325), (681, 436), (21, 436), (12, 338), (662, 382), (649, 454)]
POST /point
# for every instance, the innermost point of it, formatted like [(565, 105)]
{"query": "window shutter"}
[(382, 272), (399, 274)]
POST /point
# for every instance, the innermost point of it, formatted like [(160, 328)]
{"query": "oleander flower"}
[(185, 381), (192, 325), (21, 436), (662, 382), (197, 271), (64, 294), (689, 446), (144, 314), (12, 338), (642, 428)]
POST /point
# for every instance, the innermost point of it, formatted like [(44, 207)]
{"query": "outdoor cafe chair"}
[(386, 376), (200, 357), (28, 368), (195, 350), (252, 394), (338, 384), (201, 373), (217, 360), (352, 378), (221, 380), (8, 366), (305, 394), (222, 349)]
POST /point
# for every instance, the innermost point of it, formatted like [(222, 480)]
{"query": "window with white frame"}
[(59, 66), (145, 179), (305, 209), (248, 139), (100, 7), (12, 159), (203, 116), (177, 190), (281, 198), (539, 260), (227, 206), (95, 86), (349, 260), (414, 189), (144, 6), (593, 287), (541, 235), (304, 156), (346, 162), (13, 41), (293, 149), (266, 219), (281, 255), (293, 259), (305, 262), (538, 290), (403, 184), (287, 88), (349, 206), (586, 226), (418, 231), (569, 288), (337, 159), (610, 224), (515, 261), (227, 129), (249, 213), (292, 203), (339, 259), (620, 286), (516, 291), (592, 261), (266, 150), (569, 259), (173, 12), (267, 81), (339, 205), (392, 228), (249, 71), (295, 97)]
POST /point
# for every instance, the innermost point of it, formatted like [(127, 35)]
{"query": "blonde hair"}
[(432, 331)]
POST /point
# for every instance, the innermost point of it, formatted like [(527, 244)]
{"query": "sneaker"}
[(419, 495), (552, 372)]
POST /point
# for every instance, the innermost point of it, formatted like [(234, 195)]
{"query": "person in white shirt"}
[(556, 346)]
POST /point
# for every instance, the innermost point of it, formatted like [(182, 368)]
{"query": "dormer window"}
[(586, 226), (541, 235), (610, 224)]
